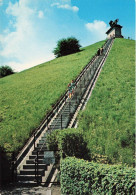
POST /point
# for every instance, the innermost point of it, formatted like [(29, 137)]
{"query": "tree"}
[(5, 71), (66, 47)]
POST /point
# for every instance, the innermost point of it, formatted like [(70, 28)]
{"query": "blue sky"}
[(30, 29)]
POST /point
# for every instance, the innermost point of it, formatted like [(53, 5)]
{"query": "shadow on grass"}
[(6, 167)]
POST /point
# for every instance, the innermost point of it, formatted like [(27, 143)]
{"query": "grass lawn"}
[(27, 96), (108, 120)]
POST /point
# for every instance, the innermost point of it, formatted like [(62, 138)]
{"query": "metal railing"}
[(81, 80), (48, 118), (78, 81)]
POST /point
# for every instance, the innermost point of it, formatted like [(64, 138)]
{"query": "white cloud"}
[(19, 66), (40, 14), (96, 25), (75, 8), (66, 1), (66, 6), (55, 4), (23, 34), (98, 29), (23, 47)]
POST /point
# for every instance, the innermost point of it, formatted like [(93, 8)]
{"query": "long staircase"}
[(31, 169)]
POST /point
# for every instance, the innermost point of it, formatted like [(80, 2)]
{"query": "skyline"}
[(30, 29)]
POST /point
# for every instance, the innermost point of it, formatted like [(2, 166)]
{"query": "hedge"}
[(69, 142), (82, 177)]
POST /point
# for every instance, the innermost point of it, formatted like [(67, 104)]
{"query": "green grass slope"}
[(26, 97), (108, 120)]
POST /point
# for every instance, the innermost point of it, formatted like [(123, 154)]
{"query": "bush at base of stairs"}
[(82, 177), (70, 142)]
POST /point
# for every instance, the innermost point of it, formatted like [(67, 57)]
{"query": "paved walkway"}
[(54, 190)]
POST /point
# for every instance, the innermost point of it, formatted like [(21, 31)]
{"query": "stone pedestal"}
[(114, 31)]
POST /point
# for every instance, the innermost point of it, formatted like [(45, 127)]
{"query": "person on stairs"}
[(98, 52), (71, 88), (101, 51)]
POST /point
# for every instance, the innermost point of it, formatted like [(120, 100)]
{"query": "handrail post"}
[(77, 98), (47, 123), (61, 121), (34, 140), (80, 84), (37, 167), (15, 167), (12, 165), (69, 106)]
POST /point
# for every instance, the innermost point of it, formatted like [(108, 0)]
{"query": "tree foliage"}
[(69, 142), (5, 71), (67, 46)]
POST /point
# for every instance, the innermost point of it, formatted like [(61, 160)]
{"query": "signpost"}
[(49, 157)]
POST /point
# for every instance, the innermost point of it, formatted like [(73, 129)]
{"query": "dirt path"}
[(54, 190)]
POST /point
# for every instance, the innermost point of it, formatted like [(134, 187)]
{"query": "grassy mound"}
[(108, 120), (26, 97)]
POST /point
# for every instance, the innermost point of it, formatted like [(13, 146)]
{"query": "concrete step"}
[(34, 152), (56, 120), (27, 178), (66, 111), (54, 128), (42, 141), (64, 115), (32, 166), (34, 156), (45, 134), (57, 125), (39, 145), (38, 148), (21, 184), (43, 138), (40, 161), (28, 172), (64, 119)]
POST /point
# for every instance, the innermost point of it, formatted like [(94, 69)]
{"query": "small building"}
[(115, 30)]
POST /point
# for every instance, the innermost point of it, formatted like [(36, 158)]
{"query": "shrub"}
[(5, 71), (52, 141), (69, 142), (83, 177), (67, 46)]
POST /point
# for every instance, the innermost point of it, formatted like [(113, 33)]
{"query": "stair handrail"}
[(88, 65), (49, 114), (61, 112), (103, 58)]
